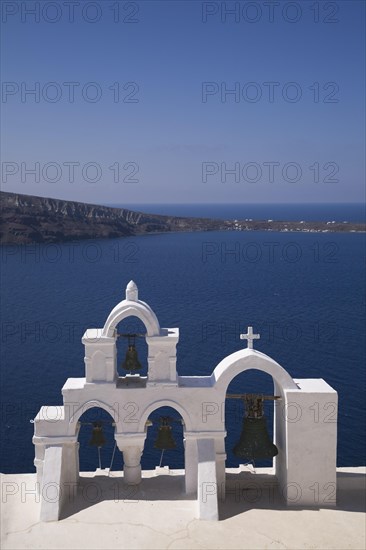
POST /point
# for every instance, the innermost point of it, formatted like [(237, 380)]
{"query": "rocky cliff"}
[(27, 219)]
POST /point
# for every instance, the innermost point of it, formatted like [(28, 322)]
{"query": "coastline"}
[(29, 219)]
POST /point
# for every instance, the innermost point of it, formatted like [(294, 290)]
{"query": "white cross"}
[(250, 337)]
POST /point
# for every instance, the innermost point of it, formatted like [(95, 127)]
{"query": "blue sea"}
[(304, 293)]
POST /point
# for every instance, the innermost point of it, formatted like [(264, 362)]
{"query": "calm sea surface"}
[(304, 293)]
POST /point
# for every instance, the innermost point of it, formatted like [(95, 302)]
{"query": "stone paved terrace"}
[(105, 514)]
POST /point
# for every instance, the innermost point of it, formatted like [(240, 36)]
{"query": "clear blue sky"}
[(171, 131)]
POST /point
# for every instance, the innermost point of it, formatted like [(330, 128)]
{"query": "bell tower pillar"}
[(162, 359), (131, 445)]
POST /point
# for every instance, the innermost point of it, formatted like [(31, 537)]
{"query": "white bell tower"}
[(306, 441)]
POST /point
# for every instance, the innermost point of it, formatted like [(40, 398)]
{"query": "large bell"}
[(97, 439), (131, 362), (254, 442), (165, 439)]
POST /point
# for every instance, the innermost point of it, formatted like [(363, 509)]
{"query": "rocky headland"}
[(27, 219)]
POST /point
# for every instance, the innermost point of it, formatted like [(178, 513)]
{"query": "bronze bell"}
[(97, 439), (254, 442), (165, 439), (131, 362)]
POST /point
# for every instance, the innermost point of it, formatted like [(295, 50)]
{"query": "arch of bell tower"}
[(132, 306), (100, 344)]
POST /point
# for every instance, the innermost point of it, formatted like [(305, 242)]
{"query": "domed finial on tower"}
[(132, 292)]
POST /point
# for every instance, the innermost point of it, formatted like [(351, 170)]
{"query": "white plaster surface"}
[(152, 516), (305, 416)]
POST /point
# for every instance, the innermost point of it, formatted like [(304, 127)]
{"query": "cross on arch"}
[(249, 336)]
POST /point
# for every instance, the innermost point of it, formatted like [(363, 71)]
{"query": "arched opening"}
[(97, 426), (252, 381), (124, 309), (125, 330), (158, 435)]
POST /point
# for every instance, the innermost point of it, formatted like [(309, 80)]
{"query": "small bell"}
[(165, 439), (131, 362), (254, 442), (97, 439)]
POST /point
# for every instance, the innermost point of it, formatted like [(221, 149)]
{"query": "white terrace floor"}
[(104, 514)]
